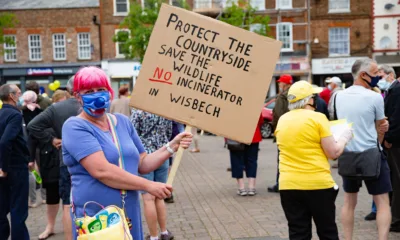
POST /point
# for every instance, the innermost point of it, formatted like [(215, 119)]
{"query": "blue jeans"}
[(14, 191), (158, 175), (64, 189), (181, 127), (245, 160), (373, 207)]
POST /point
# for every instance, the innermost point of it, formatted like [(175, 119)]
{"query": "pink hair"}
[(91, 77)]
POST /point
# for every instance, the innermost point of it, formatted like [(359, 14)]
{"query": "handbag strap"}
[(335, 117), (117, 143), (121, 162)]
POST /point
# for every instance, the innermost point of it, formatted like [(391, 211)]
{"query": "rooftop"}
[(46, 4)]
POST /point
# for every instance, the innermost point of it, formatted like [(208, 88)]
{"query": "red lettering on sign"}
[(161, 77)]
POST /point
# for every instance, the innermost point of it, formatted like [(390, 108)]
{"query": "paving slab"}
[(207, 207)]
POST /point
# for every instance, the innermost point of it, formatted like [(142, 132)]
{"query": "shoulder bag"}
[(365, 165), (234, 145), (110, 223)]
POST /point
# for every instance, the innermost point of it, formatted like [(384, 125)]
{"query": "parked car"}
[(266, 128)]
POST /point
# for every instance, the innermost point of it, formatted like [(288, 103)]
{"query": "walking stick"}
[(177, 161)]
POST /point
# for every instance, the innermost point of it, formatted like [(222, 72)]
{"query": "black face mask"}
[(314, 105), (374, 80)]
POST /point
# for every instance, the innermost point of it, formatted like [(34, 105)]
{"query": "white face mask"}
[(383, 84)]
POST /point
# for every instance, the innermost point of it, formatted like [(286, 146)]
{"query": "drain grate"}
[(263, 238)]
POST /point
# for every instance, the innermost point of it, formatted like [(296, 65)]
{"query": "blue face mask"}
[(374, 80), (20, 102), (383, 84), (95, 101)]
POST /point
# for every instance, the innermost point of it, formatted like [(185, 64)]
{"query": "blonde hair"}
[(29, 97), (376, 89), (59, 94), (300, 104)]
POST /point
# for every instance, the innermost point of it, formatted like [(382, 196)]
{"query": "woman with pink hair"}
[(92, 158)]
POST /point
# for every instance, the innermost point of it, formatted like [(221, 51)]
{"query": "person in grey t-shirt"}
[(365, 109)]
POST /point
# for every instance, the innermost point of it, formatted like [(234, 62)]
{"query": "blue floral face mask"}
[(92, 102)]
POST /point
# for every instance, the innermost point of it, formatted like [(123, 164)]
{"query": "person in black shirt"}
[(321, 106), (14, 174), (54, 118)]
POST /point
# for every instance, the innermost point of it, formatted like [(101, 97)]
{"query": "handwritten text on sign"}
[(209, 77)]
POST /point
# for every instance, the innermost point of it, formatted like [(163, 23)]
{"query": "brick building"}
[(120, 70), (54, 38), (341, 33), (386, 33), (289, 23)]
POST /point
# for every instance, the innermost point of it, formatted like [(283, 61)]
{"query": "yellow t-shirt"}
[(302, 161)]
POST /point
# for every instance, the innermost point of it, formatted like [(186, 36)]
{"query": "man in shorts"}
[(365, 109), (154, 132)]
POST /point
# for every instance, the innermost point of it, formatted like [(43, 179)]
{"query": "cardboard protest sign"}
[(205, 73)]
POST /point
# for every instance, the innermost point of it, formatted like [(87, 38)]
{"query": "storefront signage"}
[(39, 71), (63, 71), (333, 65), (137, 67)]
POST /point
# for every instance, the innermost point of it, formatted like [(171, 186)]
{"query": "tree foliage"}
[(140, 23), (7, 20), (244, 15)]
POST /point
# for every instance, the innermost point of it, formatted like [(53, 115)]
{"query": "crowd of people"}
[(89, 148), (86, 148), (306, 144)]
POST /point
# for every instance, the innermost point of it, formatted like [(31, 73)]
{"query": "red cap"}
[(286, 78)]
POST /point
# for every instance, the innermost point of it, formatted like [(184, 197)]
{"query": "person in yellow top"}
[(306, 186)]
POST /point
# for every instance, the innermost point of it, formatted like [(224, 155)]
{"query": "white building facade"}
[(386, 31), (122, 72)]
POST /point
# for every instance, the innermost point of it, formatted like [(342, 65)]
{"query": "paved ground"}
[(207, 207)]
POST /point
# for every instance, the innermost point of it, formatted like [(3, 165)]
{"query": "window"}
[(339, 5), (284, 33), (148, 4), (59, 50), (10, 50), (120, 48), (35, 47), (229, 3), (283, 4), (121, 7), (84, 49), (339, 41), (177, 3), (202, 4), (257, 27), (258, 4)]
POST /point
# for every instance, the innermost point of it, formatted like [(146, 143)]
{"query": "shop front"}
[(121, 73), (323, 68), (43, 75), (296, 66)]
